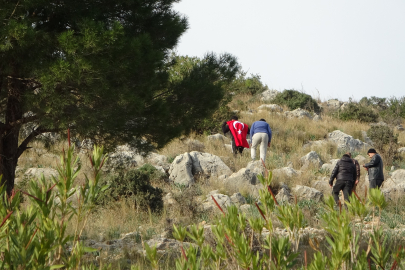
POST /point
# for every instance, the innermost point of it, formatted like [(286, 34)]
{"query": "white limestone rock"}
[(298, 113), (307, 193), (181, 170), (186, 166), (269, 95), (287, 171), (237, 199), (346, 142), (312, 158)]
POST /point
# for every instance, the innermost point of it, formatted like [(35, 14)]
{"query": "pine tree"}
[(99, 68)]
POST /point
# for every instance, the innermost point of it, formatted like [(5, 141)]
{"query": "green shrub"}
[(294, 100), (385, 141), (135, 185), (359, 112)]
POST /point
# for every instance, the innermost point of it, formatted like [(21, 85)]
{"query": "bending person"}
[(260, 134)]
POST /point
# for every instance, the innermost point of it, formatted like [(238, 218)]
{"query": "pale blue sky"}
[(340, 48)]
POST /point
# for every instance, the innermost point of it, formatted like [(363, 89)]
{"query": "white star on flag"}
[(240, 131)]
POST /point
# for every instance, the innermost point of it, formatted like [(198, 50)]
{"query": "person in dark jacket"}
[(345, 174), (375, 169), (356, 163), (225, 130)]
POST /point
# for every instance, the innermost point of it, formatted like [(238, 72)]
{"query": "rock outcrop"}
[(186, 166), (124, 157), (269, 95), (311, 159), (346, 142), (307, 193), (284, 194), (298, 113)]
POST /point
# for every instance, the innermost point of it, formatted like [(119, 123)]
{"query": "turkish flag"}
[(239, 131)]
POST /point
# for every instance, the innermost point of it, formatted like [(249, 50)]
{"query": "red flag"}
[(239, 131)]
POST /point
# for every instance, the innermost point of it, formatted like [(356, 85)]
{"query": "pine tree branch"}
[(24, 145)]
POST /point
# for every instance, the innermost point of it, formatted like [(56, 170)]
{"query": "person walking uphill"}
[(239, 131), (345, 174), (260, 133), (375, 169)]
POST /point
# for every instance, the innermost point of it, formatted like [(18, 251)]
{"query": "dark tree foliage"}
[(100, 69), (294, 99)]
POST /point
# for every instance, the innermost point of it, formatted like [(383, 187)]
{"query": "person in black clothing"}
[(345, 174), (375, 169), (225, 130)]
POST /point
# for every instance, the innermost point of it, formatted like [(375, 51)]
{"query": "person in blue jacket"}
[(260, 133)]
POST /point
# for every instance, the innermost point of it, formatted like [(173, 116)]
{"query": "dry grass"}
[(289, 136)]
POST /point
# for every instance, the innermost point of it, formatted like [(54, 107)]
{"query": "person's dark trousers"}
[(345, 186), (374, 183), (236, 149)]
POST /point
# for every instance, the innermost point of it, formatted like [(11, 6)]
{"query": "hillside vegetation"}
[(145, 206)]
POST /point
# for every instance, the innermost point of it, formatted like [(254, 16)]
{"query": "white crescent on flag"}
[(234, 126), (234, 123)]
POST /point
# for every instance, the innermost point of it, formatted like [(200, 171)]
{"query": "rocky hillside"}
[(198, 168)]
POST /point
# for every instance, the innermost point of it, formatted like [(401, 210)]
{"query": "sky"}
[(328, 49)]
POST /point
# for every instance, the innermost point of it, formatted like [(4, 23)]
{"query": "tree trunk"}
[(9, 136)]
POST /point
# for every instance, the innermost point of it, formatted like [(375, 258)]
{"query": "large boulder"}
[(328, 167), (346, 142), (307, 193), (124, 157), (223, 200), (298, 113), (269, 95), (322, 186), (243, 177), (256, 167), (270, 107), (284, 194), (186, 166), (237, 199), (312, 158), (397, 179), (181, 170), (287, 171), (334, 103), (208, 165)]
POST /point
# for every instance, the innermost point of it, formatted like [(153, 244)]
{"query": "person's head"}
[(262, 120), (234, 118), (371, 152), (349, 154), (346, 155)]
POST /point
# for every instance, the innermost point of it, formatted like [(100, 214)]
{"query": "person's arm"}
[(269, 132), (225, 128), (334, 174), (355, 174), (373, 162), (252, 132), (356, 163)]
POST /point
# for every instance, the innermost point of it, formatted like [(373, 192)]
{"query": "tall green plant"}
[(35, 237)]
